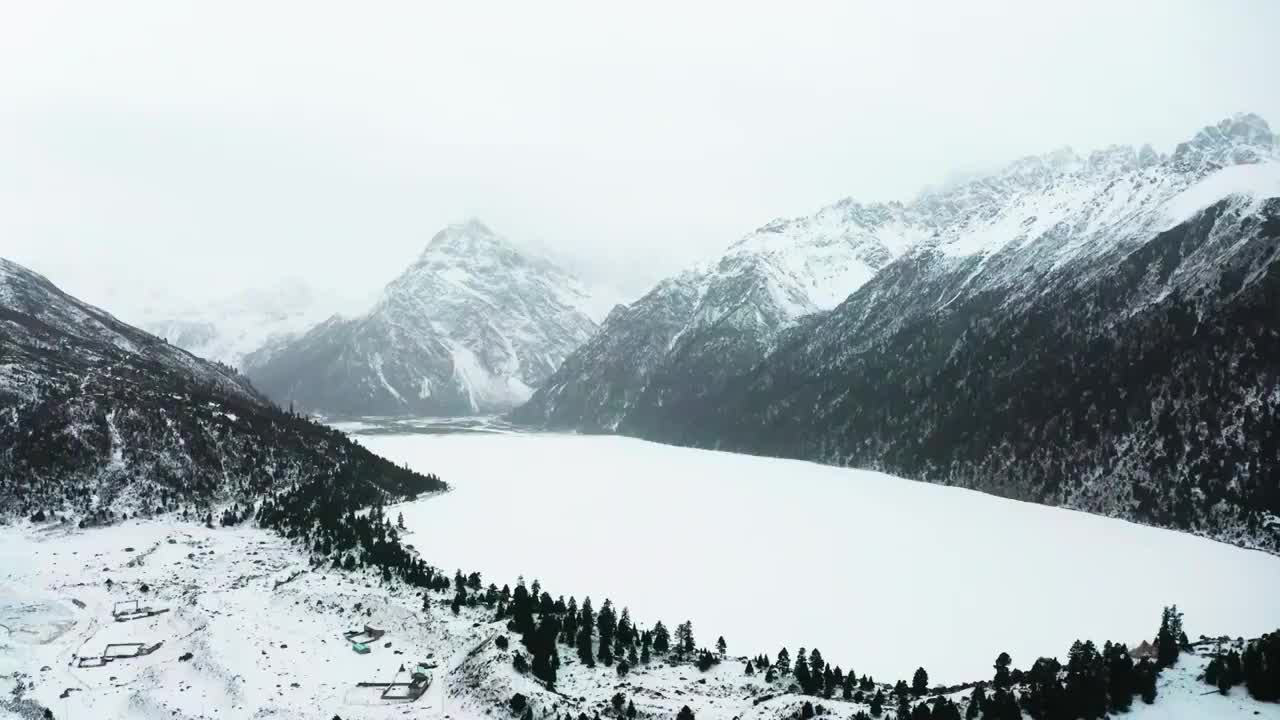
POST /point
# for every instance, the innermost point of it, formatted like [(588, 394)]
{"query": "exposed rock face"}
[(471, 327)]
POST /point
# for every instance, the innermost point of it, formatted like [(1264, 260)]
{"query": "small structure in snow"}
[(1144, 650), (118, 651), (367, 635), (127, 610), (416, 687)]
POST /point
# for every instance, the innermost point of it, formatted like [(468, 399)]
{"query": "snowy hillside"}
[(229, 330), (252, 627), (473, 326), (1049, 332), (99, 420)]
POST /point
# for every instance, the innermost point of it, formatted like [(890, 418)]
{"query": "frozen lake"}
[(881, 574)]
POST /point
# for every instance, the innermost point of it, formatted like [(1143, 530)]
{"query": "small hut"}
[(1144, 651)]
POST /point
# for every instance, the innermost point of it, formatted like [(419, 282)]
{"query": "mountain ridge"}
[(968, 268)]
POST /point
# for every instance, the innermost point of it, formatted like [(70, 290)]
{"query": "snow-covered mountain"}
[(98, 419), (230, 329), (1070, 329), (472, 326)]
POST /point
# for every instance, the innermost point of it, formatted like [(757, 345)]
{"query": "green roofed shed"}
[(360, 648)]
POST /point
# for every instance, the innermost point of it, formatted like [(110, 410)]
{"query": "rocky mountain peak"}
[(1240, 139)]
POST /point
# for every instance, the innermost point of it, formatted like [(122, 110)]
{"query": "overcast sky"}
[(190, 150)]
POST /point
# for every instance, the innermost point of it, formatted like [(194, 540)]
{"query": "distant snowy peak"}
[(473, 325), (466, 254), (230, 329)]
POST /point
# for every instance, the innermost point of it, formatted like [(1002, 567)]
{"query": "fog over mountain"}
[(135, 142)]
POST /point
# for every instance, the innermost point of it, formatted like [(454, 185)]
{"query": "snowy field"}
[(253, 630), (879, 573)]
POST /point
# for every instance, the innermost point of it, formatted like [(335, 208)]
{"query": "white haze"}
[(882, 574), (162, 150)]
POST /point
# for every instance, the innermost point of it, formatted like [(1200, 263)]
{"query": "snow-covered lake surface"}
[(881, 574)]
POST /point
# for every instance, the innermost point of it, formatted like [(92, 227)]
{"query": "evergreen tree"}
[(1167, 638), (684, 638), (946, 710), (1002, 681), (1120, 677), (1086, 681), (706, 660), (901, 690), (920, 682), (661, 638), (904, 708), (806, 710), (626, 630), (631, 710), (750, 668), (801, 672), (685, 714), (976, 699), (721, 647), (817, 672), (584, 645), (1260, 667), (921, 712), (1003, 705), (784, 661), (877, 704), (1145, 673)]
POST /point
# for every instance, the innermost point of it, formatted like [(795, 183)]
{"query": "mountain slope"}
[(470, 327), (1098, 332), (693, 330), (98, 418)]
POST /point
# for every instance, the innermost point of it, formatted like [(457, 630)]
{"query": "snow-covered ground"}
[(253, 631), (880, 573)]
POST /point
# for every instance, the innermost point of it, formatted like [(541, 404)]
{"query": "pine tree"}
[(1002, 680), (801, 672), (631, 710), (1145, 673), (1260, 667), (684, 638), (721, 647), (784, 662), (685, 714), (1120, 678), (750, 668), (1167, 638), (976, 699), (584, 647), (661, 638), (920, 682), (877, 704), (817, 672)]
